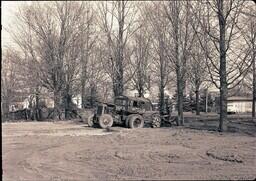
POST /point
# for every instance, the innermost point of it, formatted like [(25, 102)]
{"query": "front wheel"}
[(128, 120), (136, 121), (106, 121), (90, 121)]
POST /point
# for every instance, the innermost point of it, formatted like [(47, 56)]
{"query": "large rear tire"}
[(136, 121), (106, 121)]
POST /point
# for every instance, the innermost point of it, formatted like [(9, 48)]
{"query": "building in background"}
[(237, 104)]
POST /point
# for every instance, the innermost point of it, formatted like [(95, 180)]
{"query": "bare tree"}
[(218, 23), (8, 82), (118, 24), (160, 65), (141, 60), (180, 44), (197, 71), (88, 30), (96, 76), (54, 30)]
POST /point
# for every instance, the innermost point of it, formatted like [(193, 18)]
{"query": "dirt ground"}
[(39, 151)]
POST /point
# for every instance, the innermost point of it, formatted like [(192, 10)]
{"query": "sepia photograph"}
[(128, 90)]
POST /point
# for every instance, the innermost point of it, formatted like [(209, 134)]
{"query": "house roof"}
[(239, 98)]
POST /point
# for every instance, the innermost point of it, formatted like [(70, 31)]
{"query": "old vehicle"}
[(132, 112)]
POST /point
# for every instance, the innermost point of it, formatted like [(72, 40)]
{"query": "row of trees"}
[(107, 48)]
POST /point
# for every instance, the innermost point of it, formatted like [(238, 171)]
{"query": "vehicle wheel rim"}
[(137, 123), (106, 121)]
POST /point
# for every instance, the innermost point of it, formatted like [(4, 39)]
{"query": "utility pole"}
[(206, 101)]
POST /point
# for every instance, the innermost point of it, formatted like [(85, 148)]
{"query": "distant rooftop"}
[(239, 98)]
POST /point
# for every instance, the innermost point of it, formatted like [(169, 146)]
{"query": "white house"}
[(239, 104)]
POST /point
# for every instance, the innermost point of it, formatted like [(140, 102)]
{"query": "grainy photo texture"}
[(128, 90)]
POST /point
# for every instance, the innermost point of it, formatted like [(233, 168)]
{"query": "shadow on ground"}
[(236, 123)]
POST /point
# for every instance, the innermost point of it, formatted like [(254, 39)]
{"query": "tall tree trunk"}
[(206, 100), (141, 92), (57, 105), (254, 84), (114, 82), (2, 112), (180, 88), (6, 104), (37, 108), (161, 98), (197, 102), (83, 96), (120, 50), (223, 72), (67, 101), (5, 108), (83, 78), (162, 76), (93, 95), (180, 82), (180, 120), (118, 85), (140, 87), (84, 61)]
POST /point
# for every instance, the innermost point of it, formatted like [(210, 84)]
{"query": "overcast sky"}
[(8, 10)]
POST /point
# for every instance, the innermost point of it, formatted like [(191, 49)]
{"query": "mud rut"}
[(141, 154)]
